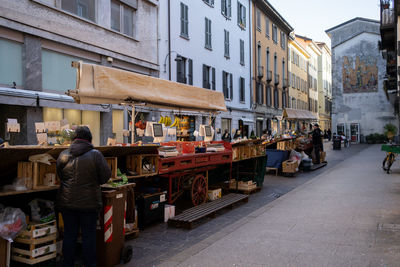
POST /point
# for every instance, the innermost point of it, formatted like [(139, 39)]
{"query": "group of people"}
[(227, 136)]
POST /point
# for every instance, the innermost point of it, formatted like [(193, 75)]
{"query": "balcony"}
[(260, 72), (276, 81), (269, 76), (285, 83)]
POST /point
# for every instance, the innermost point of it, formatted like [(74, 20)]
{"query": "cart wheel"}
[(199, 190), (126, 254)]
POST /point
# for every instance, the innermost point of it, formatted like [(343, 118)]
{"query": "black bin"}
[(150, 209), (337, 144)]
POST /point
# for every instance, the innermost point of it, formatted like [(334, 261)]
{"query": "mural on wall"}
[(359, 75)]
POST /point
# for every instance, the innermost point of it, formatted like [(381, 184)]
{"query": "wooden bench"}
[(187, 218), (272, 169)]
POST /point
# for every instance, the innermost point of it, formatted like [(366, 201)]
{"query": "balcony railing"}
[(285, 83), (276, 79), (260, 72), (269, 75)]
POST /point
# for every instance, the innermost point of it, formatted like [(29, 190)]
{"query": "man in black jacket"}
[(82, 169), (317, 142)]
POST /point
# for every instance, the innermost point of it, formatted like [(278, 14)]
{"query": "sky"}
[(311, 18)]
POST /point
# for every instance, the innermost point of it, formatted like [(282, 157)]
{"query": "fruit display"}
[(141, 125), (167, 121)]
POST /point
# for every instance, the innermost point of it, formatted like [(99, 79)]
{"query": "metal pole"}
[(133, 124)]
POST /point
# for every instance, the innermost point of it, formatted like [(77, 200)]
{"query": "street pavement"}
[(163, 245), (348, 215)]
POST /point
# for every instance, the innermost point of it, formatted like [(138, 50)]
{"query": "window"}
[(266, 26), (242, 52), (226, 43), (209, 2), (283, 70), (226, 9), (11, 63), (258, 15), (274, 33), (241, 15), (269, 98), (184, 21), (284, 99), (267, 61), (226, 125), (123, 18), (227, 85), (258, 55), (276, 98), (283, 40), (184, 70), (82, 8), (242, 85), (208, 77), (208, 33), (259, 93)]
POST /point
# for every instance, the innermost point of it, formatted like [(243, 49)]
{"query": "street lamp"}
[(177, 59)]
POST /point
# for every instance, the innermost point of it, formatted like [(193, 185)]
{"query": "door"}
[(355, 132)]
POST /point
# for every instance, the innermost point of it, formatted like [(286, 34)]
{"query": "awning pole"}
[(133, 124)]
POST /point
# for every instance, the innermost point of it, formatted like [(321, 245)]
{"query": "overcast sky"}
[(312, 17)]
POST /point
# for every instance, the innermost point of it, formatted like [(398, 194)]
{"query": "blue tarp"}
[(276, 157)]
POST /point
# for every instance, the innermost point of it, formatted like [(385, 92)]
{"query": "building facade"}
[(40, 38), (270, 33), (360, 106), (206, 44), (324, 86), (298, 80)]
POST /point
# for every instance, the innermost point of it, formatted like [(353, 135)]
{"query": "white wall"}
[(194, 47)]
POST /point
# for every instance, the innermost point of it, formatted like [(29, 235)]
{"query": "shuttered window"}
[(184, 21), (208, 33), (241, 10), (226, 9), (226, 43), (241, 52), (242, 96)]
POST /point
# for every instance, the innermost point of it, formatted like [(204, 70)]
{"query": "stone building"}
[(360, 106), (40, 38), (270, 34)]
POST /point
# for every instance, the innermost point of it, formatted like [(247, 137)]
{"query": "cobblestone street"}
[(160, 243)]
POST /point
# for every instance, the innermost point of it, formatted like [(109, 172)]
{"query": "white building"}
[(325, 86), (206, 44)]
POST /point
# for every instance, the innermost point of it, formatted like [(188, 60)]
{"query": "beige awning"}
[(103, 85), (297, 114)]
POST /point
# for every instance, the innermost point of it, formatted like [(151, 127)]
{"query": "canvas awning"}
[(297, 114), (103, 85)]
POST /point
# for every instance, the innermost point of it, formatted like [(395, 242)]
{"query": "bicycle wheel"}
[(390, 162), (384, 167)]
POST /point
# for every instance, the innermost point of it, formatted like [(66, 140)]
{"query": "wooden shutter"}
[(179, 72), (238, 13), (224, 85), (186, 20), (229, 8), (244, 15), (231, 86), (223, 5), (213, 78), (190, 62), (182, 19)]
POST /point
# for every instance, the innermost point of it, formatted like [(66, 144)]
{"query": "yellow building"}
[(270, 32), (298, 82)]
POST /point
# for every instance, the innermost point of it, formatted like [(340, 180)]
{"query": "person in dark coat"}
[(82, 169), (329, 132), (317, 142), (226, 136)]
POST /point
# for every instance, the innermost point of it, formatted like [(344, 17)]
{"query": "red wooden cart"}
[(190, 172)]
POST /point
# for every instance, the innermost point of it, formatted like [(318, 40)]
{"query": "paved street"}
[(331, 220), (160, 244)]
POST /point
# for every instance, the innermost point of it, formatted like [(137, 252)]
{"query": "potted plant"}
[(390, 130)]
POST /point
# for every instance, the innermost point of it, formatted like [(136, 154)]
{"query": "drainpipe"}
[(250, 57), (169, 39)]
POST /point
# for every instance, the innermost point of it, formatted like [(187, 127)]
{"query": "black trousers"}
[(317, 149)]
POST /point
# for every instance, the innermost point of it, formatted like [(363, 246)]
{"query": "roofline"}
[(299, 47), (342, 42), (350, 21), (324, 45), (276, 14), (315, 47)]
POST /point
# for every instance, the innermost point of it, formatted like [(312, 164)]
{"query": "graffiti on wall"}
[(359, 75)]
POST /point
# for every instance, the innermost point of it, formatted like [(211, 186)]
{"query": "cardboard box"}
[(169, 212), (214, 194), (289, 166)]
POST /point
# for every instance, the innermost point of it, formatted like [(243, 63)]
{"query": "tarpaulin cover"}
[(103, 85), (293, 114)]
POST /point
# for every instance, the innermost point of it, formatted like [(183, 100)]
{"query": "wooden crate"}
[(142, 164), (37, 244), (39, 172), (25, 170), (113, 164), (289, 166)]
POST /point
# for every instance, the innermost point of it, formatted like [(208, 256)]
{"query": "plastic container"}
[(150, 209)]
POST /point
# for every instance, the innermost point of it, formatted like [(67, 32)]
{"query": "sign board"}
[(40, 128)]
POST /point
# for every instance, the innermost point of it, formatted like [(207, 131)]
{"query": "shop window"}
[(83, 8), (118, 125), (10, 63)]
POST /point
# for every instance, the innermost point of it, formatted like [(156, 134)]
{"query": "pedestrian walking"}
[(317, 142), (329, 132), (82, 169)]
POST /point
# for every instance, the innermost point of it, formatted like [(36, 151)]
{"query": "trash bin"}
[(337, 144), (110, 236)]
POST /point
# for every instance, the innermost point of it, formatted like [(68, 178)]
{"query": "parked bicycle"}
[(391, 154)]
